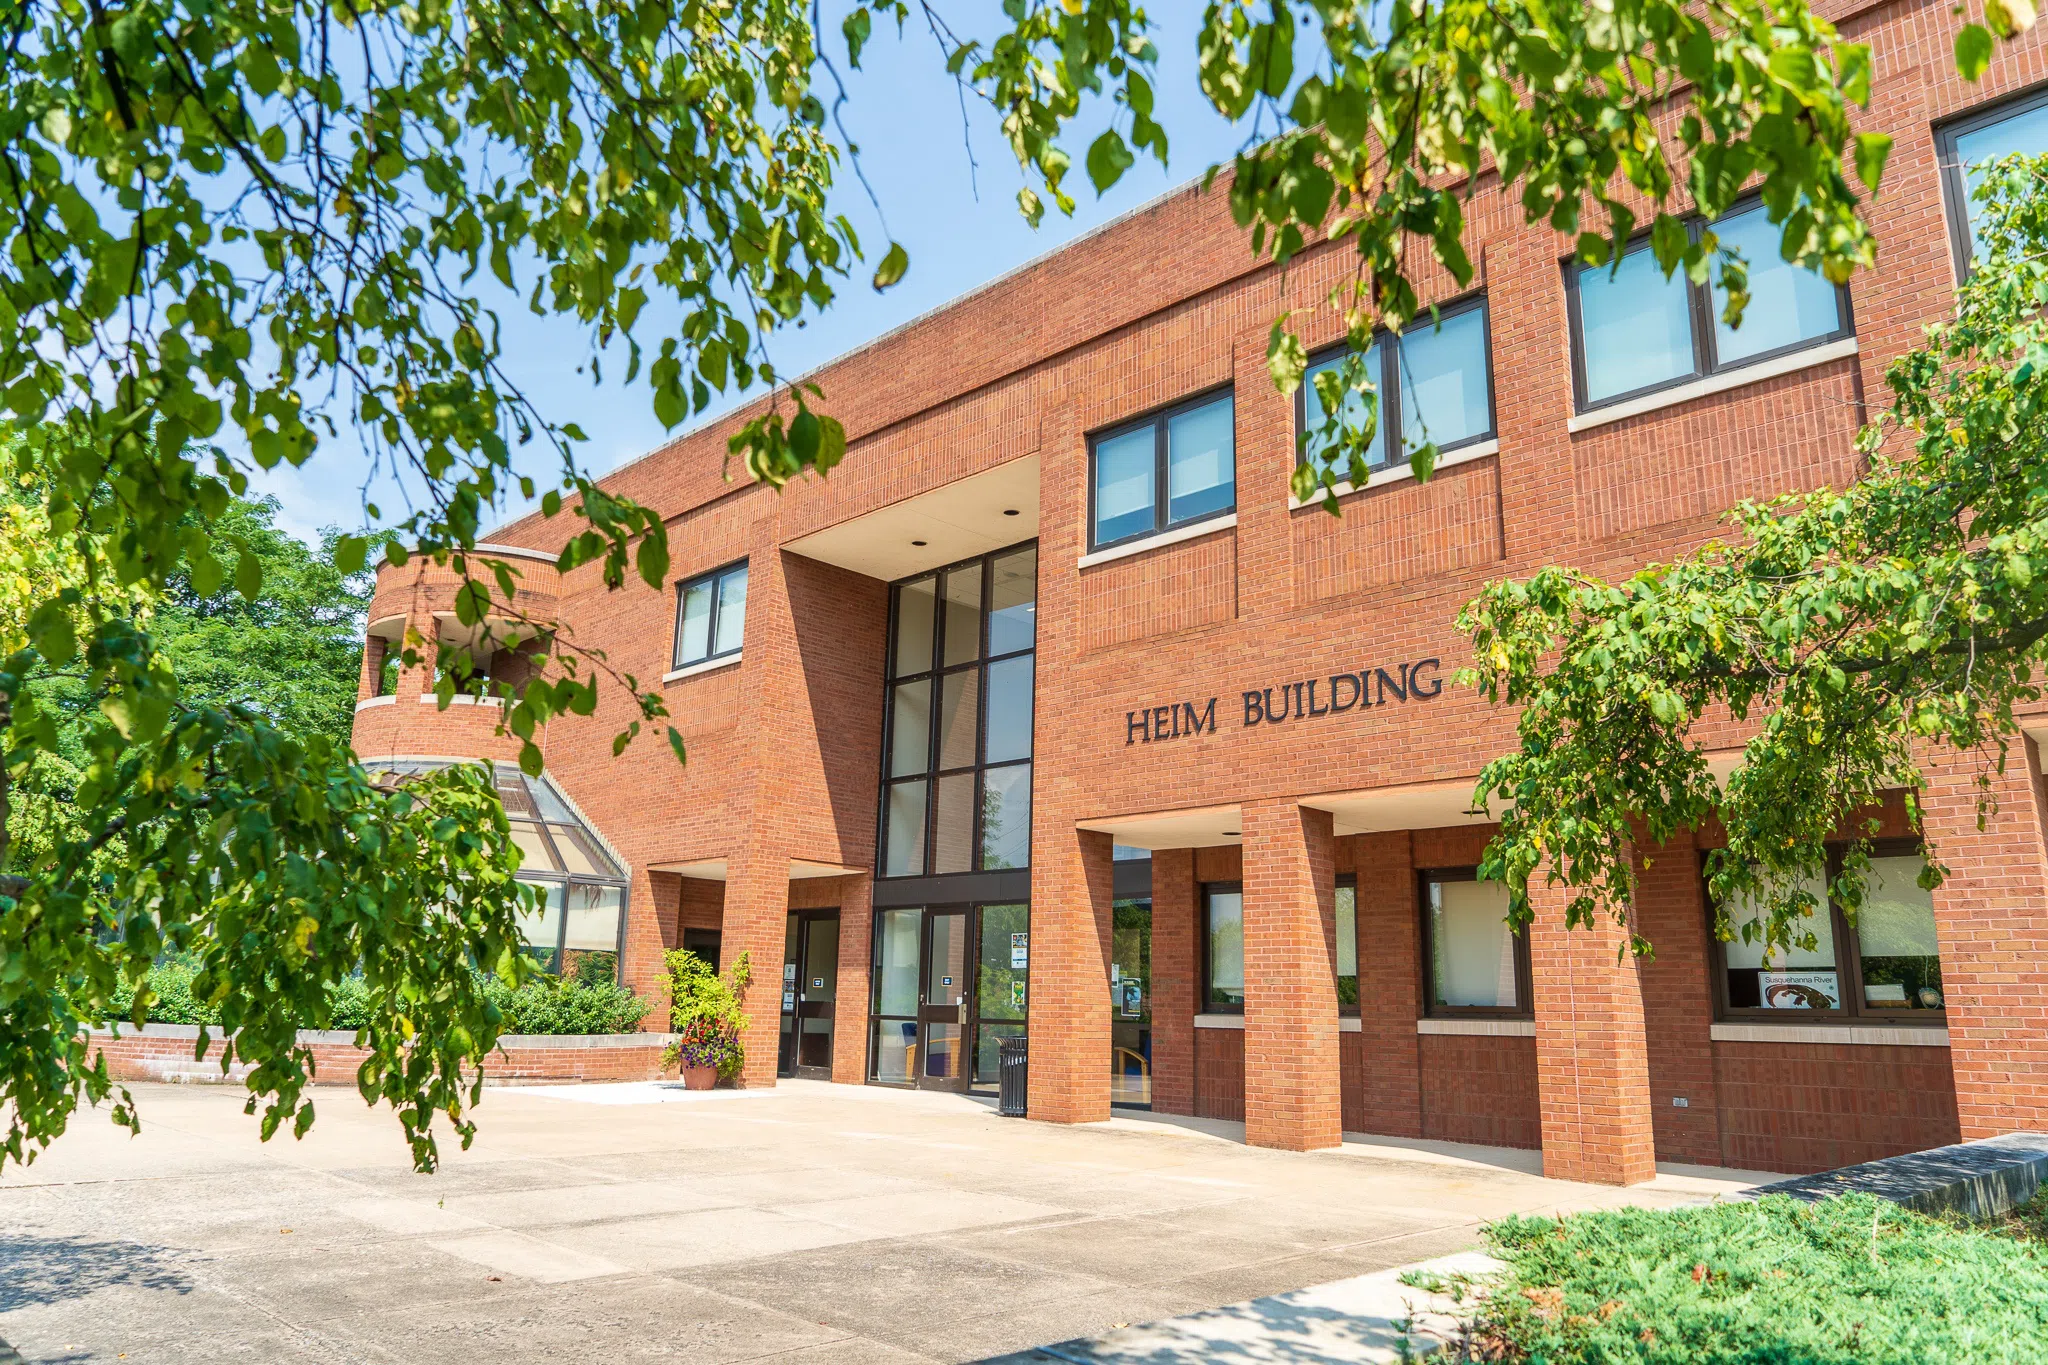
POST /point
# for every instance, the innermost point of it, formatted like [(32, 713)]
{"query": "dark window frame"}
[(936, 673), (1350, 879), (1162, 499), (714, 577), (1432, 1008), (1848, 960), (1390, 384), (1208, 1004), (1955, 183), (1699, 310)]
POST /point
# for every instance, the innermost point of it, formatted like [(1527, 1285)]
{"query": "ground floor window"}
[(950, 983), (1475, 964), (1885, 965), (1347, 945), (1223, 948)]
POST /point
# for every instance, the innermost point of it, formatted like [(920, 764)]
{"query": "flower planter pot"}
[(699, 1077)]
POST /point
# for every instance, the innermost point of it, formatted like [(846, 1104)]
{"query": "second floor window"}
[(1635, 331), (1435, 383), (2013, 126), (711, 615), (1176, 468)]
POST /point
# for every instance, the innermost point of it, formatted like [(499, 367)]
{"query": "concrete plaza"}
[(808, 1223)]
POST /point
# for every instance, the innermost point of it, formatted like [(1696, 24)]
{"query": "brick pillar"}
[(1389, 989), (1293, 1097), (1592, 1065), (850, 1009), (1991, 922), (757, 924), (650, 927), (1176, 958), (1678, 1002), (1072, 911)]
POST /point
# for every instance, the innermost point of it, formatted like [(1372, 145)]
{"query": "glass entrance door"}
[(942, 1011), (810, 984), (1130, 1004), (949, 986)]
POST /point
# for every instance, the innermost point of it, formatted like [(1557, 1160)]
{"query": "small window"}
[(1886, 966), (1223, 948), (1475, 965), (1635, 330), (711, 615), (1177, 468), (2019, 125), (1435, 383), (1347, 945)]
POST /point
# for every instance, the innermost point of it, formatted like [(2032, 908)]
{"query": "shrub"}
[(707, 1013), (1855, 1279), (547, 1004)]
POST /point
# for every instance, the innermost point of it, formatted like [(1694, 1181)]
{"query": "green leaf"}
[(249, 575), (1973, 51), (1872, 150), (892, 267), (1108, 159)]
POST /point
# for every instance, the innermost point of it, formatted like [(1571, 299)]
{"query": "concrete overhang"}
[(704, 869), (713, 869), (967, 517), (1422, 805), (1205, 827)]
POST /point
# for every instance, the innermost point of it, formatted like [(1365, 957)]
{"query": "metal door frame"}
[(788, 1066)]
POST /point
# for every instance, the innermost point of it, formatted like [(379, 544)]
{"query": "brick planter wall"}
[(163, 1052)]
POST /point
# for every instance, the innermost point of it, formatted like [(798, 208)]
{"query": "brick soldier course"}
[(989, 407)]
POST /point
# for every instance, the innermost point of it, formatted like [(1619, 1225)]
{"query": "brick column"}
[(1592, 1064), (1176, 958), (1991, 922), (1678, 1002), (850, 1009), (757, 924), (1072, 912), (1389, 977), (1293, 1097)]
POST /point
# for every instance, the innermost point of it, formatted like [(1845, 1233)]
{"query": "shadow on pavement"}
[(40, 1270)]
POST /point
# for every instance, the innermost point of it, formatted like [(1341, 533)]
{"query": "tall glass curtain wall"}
[(957, 761)]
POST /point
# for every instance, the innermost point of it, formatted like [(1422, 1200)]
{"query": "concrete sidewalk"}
[(643, 1222)]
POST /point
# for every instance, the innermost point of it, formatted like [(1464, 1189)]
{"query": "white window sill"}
[(1479, 1028), (1164, 538), (1235, 1021), (367, 702), (708, 666), (461, 699), (1395, 473), (1712, 384), (1867, 1034)]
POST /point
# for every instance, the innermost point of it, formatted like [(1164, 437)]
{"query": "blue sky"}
[(961, 228)]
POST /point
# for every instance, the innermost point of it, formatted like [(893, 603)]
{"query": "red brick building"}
[(1055, 613)]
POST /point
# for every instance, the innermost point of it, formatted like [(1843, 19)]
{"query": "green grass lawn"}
[(1774, 1282)]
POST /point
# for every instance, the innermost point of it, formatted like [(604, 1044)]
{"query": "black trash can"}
[(1010, 1062)]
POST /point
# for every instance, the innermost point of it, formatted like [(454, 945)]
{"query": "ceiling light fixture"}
[(1010, 512), (920, 544)]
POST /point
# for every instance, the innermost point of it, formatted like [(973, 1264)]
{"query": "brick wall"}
[(1480, 1089), (164, 1052), (1812, 1107)]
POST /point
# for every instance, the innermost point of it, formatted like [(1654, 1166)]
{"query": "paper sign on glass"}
[(1799, 990), (1020, 950), (1017, 995)]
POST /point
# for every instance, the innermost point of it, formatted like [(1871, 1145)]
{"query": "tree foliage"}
[(1849, 630), (231, 229)]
